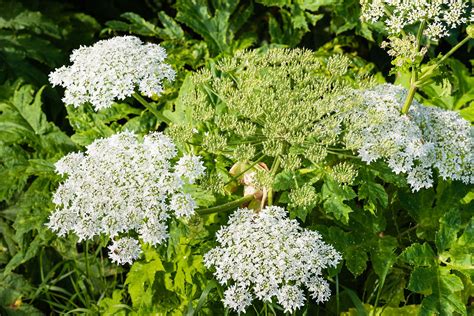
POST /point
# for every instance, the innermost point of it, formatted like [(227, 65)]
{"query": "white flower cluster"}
[(121, 185), (426, 138), (266, 255), (404, 49), (111, 70), (439, 16)]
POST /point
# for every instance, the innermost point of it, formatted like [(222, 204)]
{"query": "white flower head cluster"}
[(265, 255), (427, 138), (111, 70), (439, 16), (120, 186)]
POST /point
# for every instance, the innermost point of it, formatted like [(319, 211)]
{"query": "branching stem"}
[(150, 108)]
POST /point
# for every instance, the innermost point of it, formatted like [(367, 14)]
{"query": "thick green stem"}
[(409, 99), (225, 207), (418, 81), (419, 35), (150, 108), (414, 73)]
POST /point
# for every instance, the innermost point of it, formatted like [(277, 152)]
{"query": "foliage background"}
[(405, 253)]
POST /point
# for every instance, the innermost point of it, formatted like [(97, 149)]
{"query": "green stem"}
[(407, 231), (419, 35), (424, 76), (414, 73), (410, 96), (234, 178), (150, 108), (87, 259), (452, 50), (342, 154), (225, 207), (274, 170)]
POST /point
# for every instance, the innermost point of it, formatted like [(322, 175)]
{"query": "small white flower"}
[(426, 139), (291, 297), (266, 255), (439, 16), (124, 250), (183, 205), (190, 167), (237, 298), (111, 70)]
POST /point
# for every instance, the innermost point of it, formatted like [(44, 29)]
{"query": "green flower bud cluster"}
[(304, 197), (344, 172), (282, 103)]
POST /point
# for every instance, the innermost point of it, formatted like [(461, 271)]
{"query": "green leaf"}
[(12, 180), (449, 226), (419, 255), (468, 112), (284, 181), (202, 299), (18, 18), (217, 28), (13, 289), (172, 30), (24, 255), (353, 249), (276, 3), (295, 17), (334, 196), (285, 32), (136, 25), (90, 125), (442, 289), (141, 278), (22, 116), (383, 256), (28, 46), (459, 256), (433, 277), (373, 193)]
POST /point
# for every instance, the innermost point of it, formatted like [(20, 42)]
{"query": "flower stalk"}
[(419, 80), (150, 108), (226, 206)]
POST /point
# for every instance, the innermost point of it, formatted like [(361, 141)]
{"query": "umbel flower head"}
[(439, 16), (426, 139), (280, 103), (121, 186), (265, 255), (111, 70)]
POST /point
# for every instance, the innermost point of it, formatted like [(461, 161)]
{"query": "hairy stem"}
[(414, 73), (226, 206), (150, 108), (410, 96)]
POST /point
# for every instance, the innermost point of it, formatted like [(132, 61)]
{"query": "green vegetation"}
[(267, 93)]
